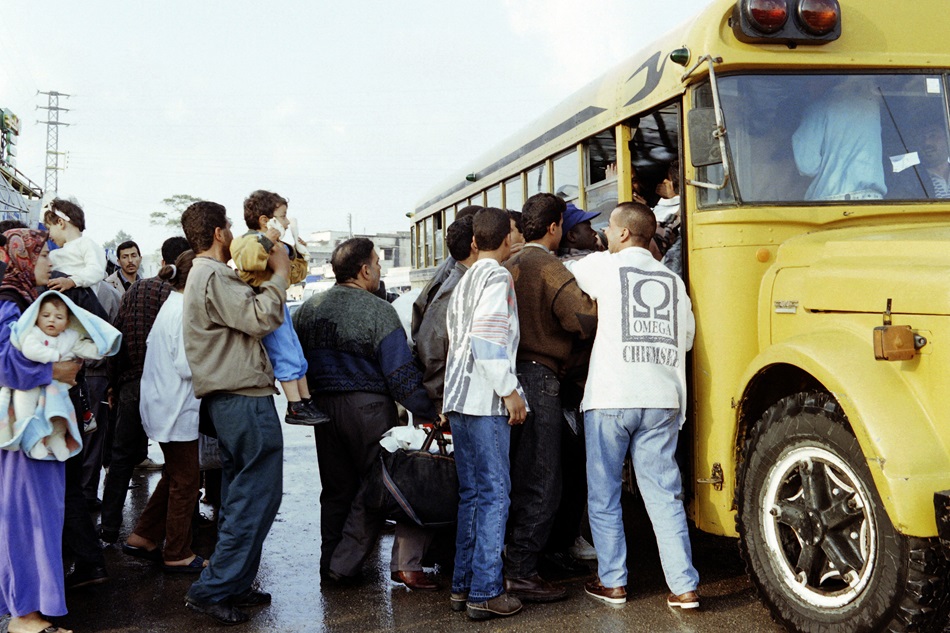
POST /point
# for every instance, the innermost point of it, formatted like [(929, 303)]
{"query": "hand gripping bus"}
[(813, 143)]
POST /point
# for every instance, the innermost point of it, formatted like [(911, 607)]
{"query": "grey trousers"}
[(348, 455), (372, 506)]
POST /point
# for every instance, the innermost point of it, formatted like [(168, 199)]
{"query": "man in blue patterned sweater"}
[(360, 365)]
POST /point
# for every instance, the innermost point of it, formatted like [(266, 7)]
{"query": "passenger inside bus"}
[(935, 161), (838, 143)]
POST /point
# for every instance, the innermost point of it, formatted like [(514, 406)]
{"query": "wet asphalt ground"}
[(140, 597)]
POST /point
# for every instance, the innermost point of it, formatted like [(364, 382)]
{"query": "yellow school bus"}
[(813, 143)]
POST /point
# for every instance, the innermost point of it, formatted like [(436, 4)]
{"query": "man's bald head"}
[(638, 220)]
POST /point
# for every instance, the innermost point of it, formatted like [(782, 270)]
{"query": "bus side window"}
[(566, 176), (601, 186), (654, 145)]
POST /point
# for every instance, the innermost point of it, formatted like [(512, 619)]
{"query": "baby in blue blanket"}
[(51, 340)]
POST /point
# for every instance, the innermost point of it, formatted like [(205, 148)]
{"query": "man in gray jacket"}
[(224, 323)]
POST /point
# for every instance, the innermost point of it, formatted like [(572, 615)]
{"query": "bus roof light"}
[(767, 16), (816, 22), (818, 17)]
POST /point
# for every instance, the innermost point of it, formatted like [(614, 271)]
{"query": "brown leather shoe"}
[(688, 600), (612, 595), (534, 589), (415, 580), (498, 607)]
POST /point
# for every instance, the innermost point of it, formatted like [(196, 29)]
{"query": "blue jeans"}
[(650, 436), (252, 456), (481, 458)]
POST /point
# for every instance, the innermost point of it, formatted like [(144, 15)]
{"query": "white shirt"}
[(666, 207), (82, 260), (167, 404), (645, 327)]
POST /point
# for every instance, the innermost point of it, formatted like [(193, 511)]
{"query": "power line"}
[(52, 139)]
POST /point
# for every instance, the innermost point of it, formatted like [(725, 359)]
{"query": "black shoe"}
[(316, 412), (251, 598), (534, 589), (220, 611), (305, 413), (84, 575), (107, 535), (333, 579)]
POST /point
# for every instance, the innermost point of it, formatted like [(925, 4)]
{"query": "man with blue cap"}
[(579, 237)]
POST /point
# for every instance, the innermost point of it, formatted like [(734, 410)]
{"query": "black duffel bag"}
[(425, 485)]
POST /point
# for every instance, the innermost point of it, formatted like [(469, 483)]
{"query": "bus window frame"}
[(520, 177), (738, 202), (438, 232), (547, 168), (501, 198), (577, 151)]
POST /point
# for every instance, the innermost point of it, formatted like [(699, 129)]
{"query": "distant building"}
[(393, 249)]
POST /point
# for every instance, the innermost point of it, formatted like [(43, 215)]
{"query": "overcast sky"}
[(346, 107)]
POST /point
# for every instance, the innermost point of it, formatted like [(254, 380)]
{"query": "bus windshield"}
[(809, 138)]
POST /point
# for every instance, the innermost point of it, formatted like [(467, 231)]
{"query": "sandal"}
[(154, 555), (5, 626), (194, 567)]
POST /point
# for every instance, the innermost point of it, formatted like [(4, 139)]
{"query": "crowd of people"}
[(550, 351)]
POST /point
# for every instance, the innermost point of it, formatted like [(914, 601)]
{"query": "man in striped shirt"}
[(482, 398)]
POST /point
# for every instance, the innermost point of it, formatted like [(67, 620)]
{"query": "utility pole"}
[(52, 139)]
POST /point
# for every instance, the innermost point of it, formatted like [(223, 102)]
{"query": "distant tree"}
[(120, 237), (171, 216)]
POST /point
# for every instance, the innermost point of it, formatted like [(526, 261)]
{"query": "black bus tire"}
[(817, 542)]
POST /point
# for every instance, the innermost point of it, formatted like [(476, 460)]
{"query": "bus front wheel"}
[(817, 542)]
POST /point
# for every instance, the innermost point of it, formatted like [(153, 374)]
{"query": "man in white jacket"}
[(482, 398), (635, 401)]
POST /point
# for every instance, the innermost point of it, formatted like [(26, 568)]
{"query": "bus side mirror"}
[(704, 146)]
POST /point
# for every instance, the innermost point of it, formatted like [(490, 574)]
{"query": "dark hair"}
[(464, 212), (459, 237), (56, 301), (177, 273), (260, 203), (539, 212), (173, 247), (637, 218), (127, 245), (491, 226), (674, 175), (7, 225), (70, 209), (200, 220), (349, 257), (517, 219)]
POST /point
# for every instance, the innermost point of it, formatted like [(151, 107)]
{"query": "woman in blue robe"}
[(32, 492)]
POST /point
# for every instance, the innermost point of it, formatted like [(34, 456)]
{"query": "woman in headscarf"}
[(32, 492)]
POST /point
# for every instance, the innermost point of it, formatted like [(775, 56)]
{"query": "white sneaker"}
[(582, 550)]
